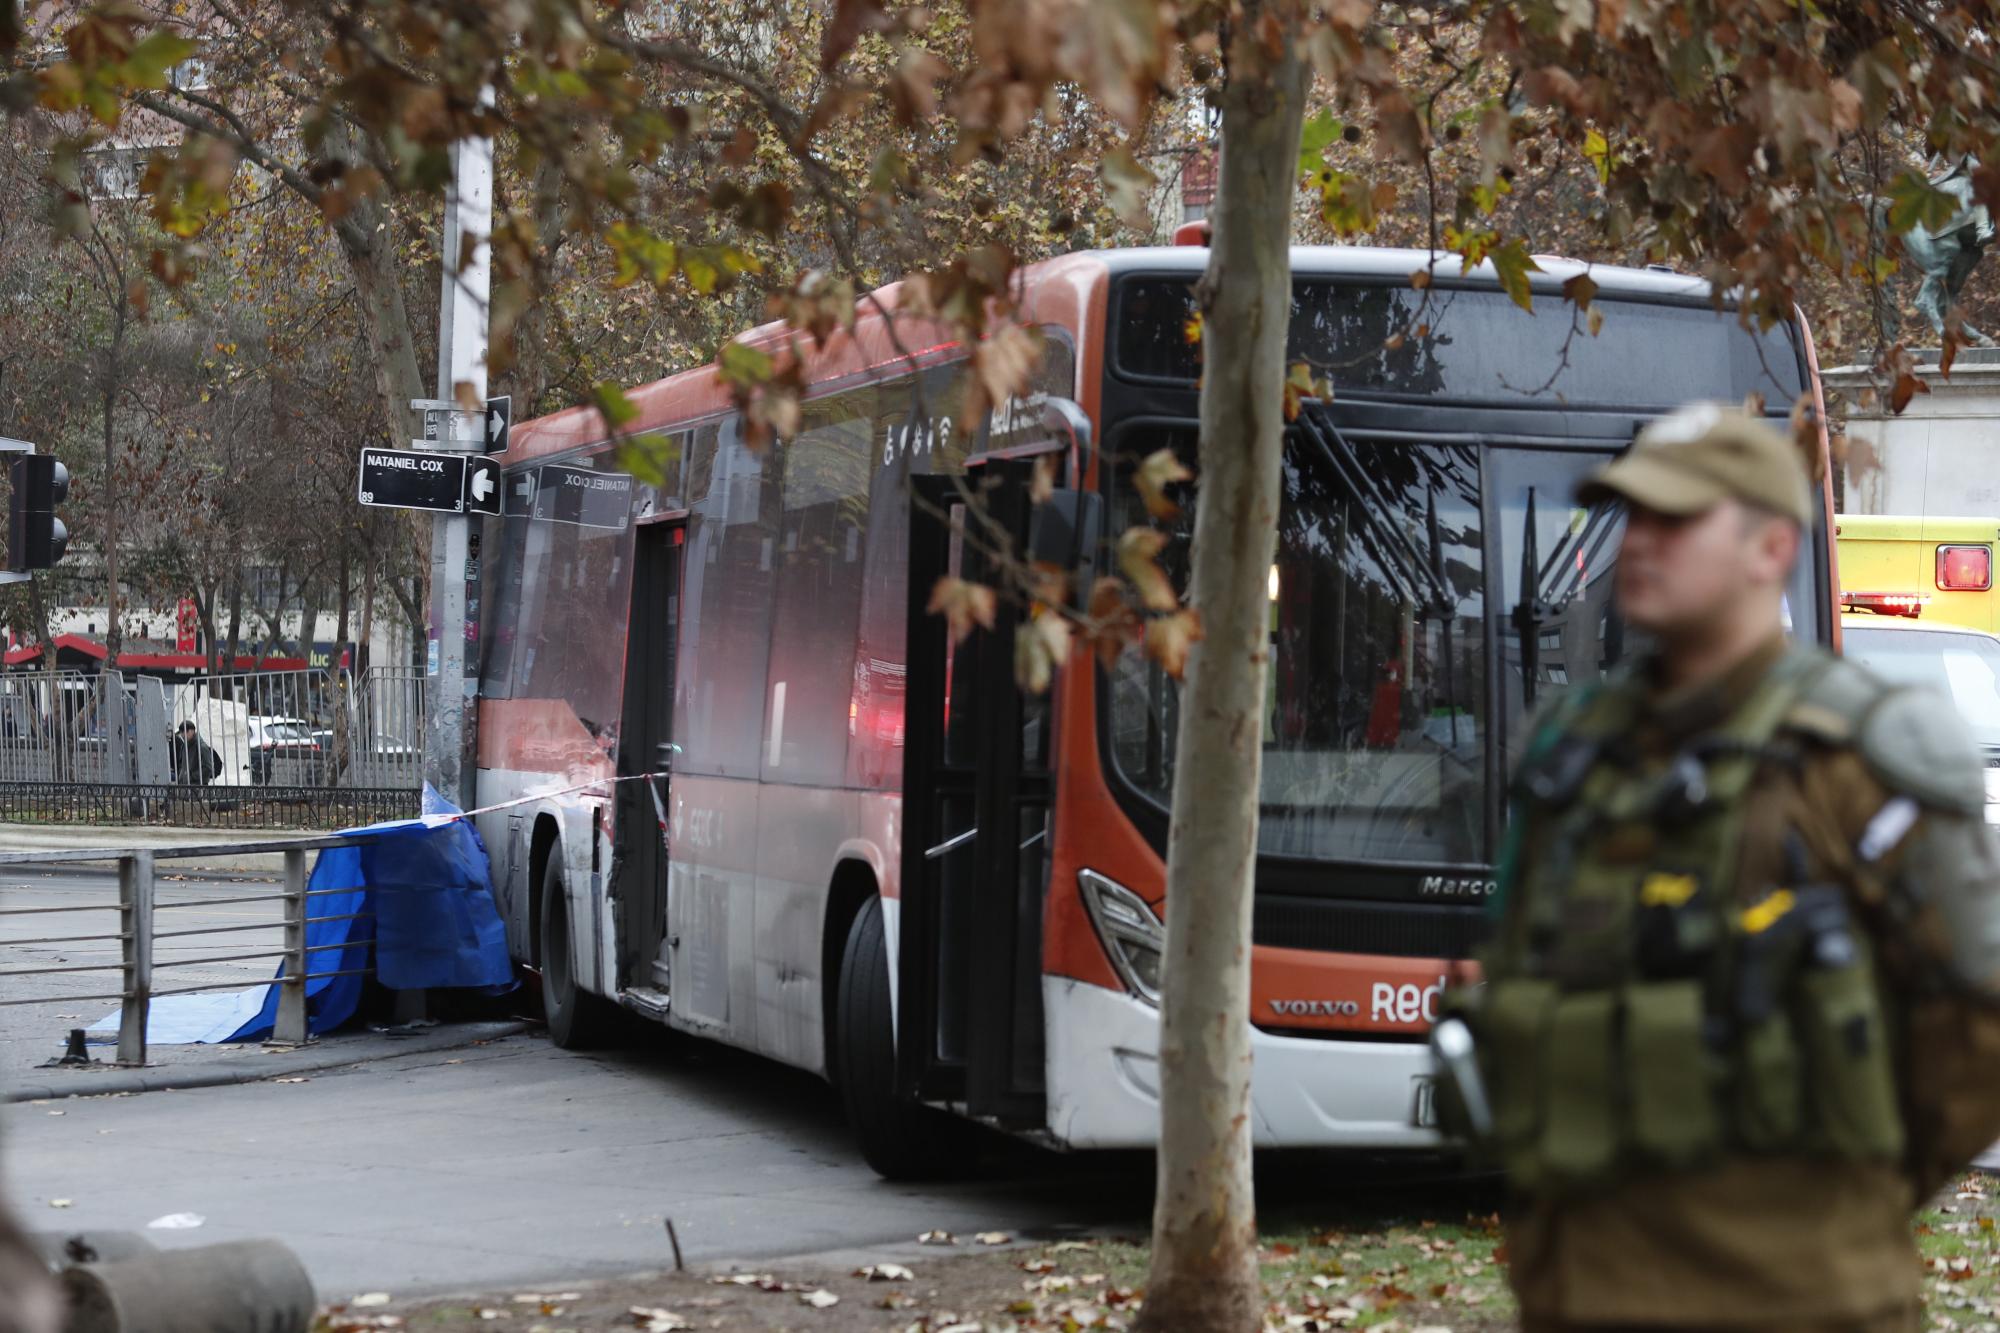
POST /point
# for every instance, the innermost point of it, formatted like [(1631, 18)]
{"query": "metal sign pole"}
[(452, 659)]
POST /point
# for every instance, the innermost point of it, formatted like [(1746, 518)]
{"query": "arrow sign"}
[(499, 416), (412, 479), (579, 495), (482, 486)]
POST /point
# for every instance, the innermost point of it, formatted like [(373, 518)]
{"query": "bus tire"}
[(577, 1020), (901, 1139)]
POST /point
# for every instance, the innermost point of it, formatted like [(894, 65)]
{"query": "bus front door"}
[(645, 750), (976, 793)]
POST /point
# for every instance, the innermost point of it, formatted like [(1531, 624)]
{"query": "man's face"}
[(1678, 575)]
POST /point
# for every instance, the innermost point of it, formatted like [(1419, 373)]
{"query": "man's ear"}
[(1781, 541)]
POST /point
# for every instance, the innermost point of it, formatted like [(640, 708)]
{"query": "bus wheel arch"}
[(546, 842), (902, 1139), (853, 884)]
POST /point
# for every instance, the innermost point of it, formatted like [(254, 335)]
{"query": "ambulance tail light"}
[(1885, 603), (1133, 937), (1965, 568)]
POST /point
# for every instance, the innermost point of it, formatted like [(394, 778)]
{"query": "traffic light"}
[(35, 536)]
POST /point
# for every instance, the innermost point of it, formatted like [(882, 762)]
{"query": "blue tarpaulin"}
[(418, 894)]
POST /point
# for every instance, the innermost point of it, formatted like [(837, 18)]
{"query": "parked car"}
[(274, 738), (382, 747), (1961, 664)]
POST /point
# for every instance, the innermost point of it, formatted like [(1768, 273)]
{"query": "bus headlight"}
[(1133, 937)]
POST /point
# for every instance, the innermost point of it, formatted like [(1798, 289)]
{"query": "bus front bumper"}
[(1306, 1092)]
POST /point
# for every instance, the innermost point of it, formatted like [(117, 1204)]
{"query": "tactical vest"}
[(1643, 1010)]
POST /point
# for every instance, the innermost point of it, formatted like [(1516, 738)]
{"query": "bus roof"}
[(1060, 285), (1916, 528), (1369, 262)]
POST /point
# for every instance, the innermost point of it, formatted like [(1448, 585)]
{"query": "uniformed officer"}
[(1736, 1020)]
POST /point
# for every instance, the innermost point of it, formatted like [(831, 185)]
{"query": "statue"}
[(1947, 256)]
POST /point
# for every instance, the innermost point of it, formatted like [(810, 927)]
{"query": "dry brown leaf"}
[(1039, 648), (1001, 365), (1042, 484), (1159, 470), (963, 605), (1137, 552), (1169, 640)]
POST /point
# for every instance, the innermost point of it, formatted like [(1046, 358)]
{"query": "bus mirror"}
[(1063, 529), (1065, 418)]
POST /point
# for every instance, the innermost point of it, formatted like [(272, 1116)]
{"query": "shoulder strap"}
[(1734, 752), (1835, 703)]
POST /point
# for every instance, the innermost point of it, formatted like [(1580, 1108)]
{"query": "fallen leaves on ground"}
[(884, 1273)]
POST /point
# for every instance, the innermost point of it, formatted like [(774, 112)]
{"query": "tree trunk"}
[(235, 625), (528, 378), (367, 240), (1204, 1265), (114, 637), (364, 648), (47, 723), (205, 607)]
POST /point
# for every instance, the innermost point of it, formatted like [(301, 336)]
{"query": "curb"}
[(129, 1082)]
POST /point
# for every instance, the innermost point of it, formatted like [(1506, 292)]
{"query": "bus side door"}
[(976, 797)]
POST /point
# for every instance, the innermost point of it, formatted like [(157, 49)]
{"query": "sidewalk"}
[(221, 1064), (73, 837)]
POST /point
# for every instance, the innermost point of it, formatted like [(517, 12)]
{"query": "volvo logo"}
[(1317, 1008), (1444, 886)]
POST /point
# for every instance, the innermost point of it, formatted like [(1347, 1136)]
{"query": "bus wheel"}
[(901, 1139), (577, 1019)]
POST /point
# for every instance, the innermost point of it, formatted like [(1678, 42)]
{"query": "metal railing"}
[(137, 907), (179, 806)]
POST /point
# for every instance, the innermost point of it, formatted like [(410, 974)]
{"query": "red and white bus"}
[(873, 857)]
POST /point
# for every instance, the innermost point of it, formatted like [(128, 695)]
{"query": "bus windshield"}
[(1418, 590), (1379, 700), (1428, 595)]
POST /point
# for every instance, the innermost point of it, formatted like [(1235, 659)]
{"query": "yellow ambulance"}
[(1935, 569)]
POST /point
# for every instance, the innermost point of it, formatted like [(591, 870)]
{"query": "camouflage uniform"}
[(1738, 1021)]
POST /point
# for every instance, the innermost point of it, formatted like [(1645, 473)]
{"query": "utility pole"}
[(451, 724)]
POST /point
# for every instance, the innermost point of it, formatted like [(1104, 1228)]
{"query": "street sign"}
[(482, 485), (434, 419), (409, 479), (499, 416), (577, 495)]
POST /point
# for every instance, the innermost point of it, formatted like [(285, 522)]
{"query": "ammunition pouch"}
[(1637, 1017)]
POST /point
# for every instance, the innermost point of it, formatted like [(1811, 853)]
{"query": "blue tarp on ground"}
[(418, 894)]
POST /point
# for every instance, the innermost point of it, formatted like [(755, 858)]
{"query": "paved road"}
[(515, 1162), (30, 1034)]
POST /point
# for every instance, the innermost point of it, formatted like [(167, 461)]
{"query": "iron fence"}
[(182, 806), (270, 749), (138, 930)]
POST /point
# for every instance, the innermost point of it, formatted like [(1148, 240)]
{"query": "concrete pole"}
[(451, 725), (243, 1286)]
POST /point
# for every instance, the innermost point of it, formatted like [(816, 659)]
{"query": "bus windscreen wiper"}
[(1316, 424), (1444, 610), (1532, 611)]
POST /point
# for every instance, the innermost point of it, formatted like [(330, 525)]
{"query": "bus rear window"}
[(1478, 346)]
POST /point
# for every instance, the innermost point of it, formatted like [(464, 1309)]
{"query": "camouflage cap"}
[(1693, 458)]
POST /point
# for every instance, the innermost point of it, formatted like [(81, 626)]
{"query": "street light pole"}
[(451, 721)]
